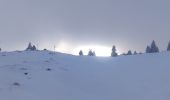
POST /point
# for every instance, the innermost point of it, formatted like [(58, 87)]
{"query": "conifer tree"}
[(90, 53), (129, 52), (81, 53), (94, 54), (168, 48), (29, 46), (148, 49), (114, 53), (135, 53), (34, 48), (154, 48)]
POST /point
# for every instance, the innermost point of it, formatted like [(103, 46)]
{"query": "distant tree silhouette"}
[(30, 47), (91, 53), (45, 49), (154, 48), (129, 52), (114, 53), (0, 49), (81, 53), (34, 48), (94, 54), (168, 48), (135, 53), (148, 49)]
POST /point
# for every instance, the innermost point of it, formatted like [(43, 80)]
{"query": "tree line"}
[(153, 48)]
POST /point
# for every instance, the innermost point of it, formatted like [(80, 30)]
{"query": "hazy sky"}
[(71, 24)]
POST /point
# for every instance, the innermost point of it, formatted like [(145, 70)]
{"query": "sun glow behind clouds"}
[(99, 50)]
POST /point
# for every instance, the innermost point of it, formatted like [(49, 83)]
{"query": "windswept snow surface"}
[(45, 75)]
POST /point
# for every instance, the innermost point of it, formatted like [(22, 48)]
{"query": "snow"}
[(57, 76)]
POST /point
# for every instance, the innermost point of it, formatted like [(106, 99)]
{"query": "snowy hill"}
[(45, 75)]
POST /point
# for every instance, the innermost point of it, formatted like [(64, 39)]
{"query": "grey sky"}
[(129, 24)]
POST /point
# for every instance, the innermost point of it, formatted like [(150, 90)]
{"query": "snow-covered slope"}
[(44, 75)]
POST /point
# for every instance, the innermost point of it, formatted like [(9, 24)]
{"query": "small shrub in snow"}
[(45, 49), (48, 69), (16, 84), (25, 73), (47, 61), (23, 68)]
